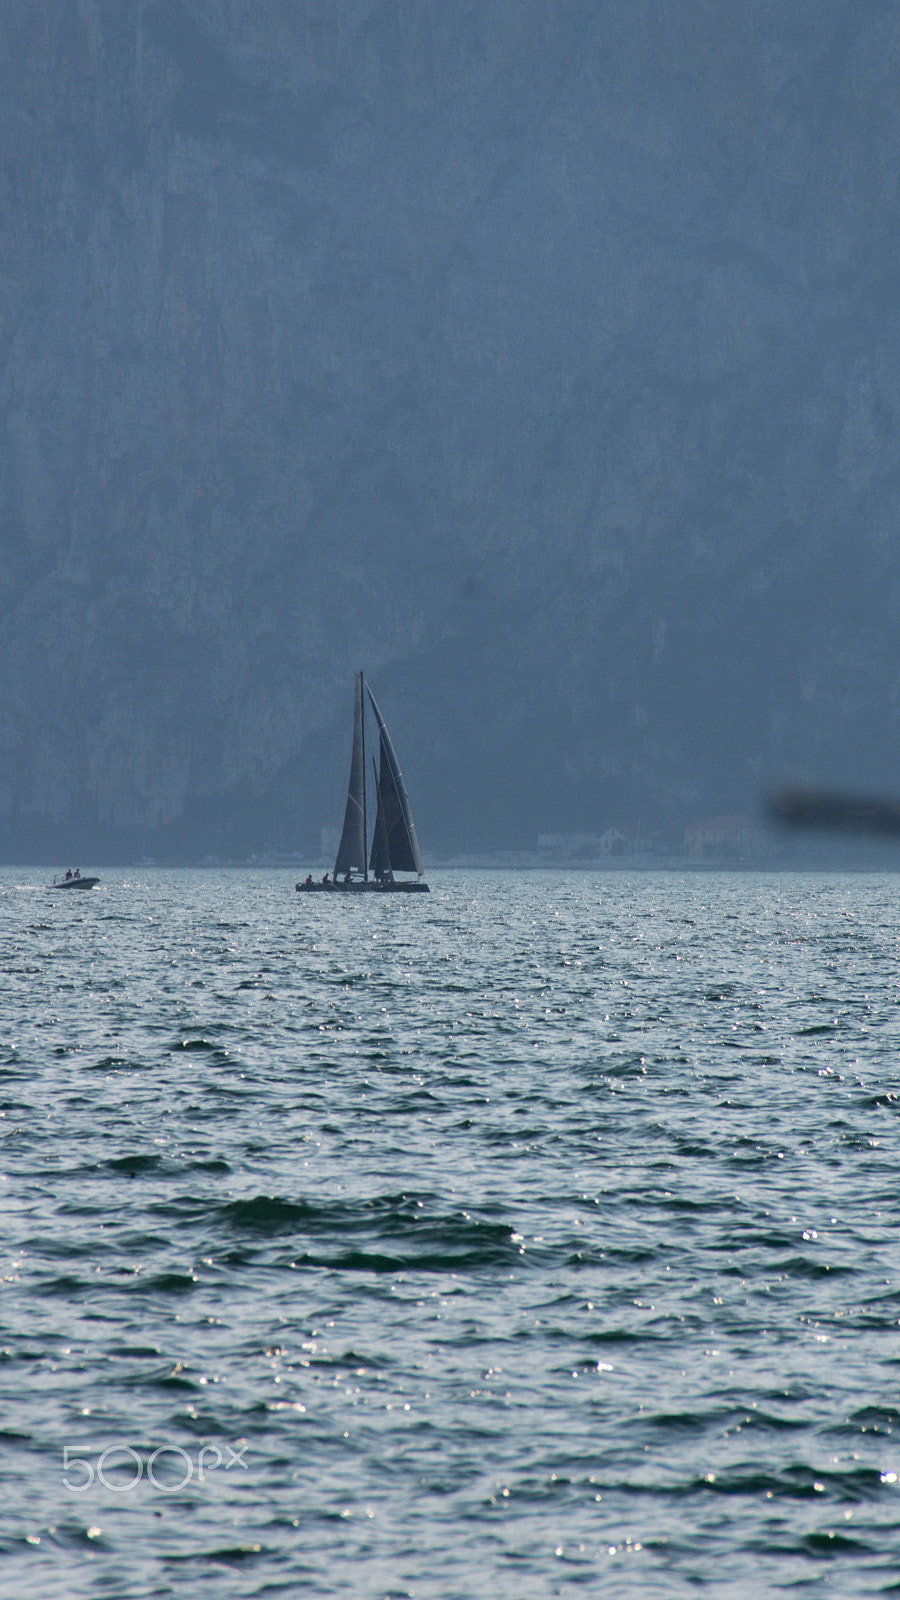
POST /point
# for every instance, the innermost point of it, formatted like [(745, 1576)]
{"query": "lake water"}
[(537, 1237)]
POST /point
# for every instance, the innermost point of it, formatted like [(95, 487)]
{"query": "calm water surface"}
[(538, 1237)]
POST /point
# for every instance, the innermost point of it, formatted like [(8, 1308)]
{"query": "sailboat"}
[(394, 847)]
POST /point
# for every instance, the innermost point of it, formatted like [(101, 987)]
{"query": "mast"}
[(362, 737), (351, 856)]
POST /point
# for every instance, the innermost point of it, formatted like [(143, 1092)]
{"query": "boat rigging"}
[(394, 847)]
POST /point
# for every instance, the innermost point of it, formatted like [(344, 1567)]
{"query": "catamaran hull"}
[(361, 888)]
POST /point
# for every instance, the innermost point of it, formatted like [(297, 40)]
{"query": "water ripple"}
[(538, 1237)]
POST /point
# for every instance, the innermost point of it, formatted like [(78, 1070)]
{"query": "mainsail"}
[(351, 856), (395, 847)]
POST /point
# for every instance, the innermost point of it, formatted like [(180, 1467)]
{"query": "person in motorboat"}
[(68, 874), (308, 880)]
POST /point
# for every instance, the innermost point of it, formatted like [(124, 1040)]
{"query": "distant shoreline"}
[(669, 865)]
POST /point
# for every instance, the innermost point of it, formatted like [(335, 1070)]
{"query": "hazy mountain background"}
[(541, 357)]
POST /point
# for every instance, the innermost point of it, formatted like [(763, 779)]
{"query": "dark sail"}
[(351, 856), (380, 859), (395, 832)]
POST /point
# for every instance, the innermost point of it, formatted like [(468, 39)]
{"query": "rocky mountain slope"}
[(540, 359)]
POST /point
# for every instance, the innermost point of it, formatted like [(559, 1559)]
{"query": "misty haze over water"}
[(542, 360)]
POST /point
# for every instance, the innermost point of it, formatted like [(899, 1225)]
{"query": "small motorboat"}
[(74, 880)]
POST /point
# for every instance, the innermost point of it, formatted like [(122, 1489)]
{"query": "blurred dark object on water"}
[(834, 813)]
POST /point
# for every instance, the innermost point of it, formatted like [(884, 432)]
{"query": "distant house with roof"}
[(626, 841), (569, 846), (620, 841), (727, 836)]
